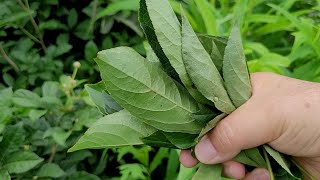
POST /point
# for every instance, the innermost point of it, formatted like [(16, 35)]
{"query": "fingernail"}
[(205, 151), (261, 175)]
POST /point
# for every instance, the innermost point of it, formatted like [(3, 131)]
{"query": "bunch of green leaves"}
[(186, 84)]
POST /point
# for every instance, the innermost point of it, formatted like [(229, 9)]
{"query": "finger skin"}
[(258, 174), (233, 169), (187, 160)]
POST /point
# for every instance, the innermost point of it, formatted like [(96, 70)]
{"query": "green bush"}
[(45, 109)]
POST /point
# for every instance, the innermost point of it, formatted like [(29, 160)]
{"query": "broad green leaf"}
[(139, 153), (72, 18), (210, 125), (114, 130), (235, 71), (12, 18), (21, 161), (26, 98), (50, 170), (208, 16), (90, 50), (157, 139), (251, 157), (208, 172), (4, 175), (202, 70), (13, 138), (35, 114), (102, 99), (279, 158), (50, 88), (147, 92)]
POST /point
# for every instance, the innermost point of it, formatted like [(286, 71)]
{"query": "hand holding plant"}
[(282, 112)]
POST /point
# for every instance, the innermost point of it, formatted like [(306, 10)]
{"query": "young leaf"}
[(251, 157), (102, 99), (147, 92), (235, 71), (21, 162), (206, 172), (114, 130), (201, 69), (278, 157)]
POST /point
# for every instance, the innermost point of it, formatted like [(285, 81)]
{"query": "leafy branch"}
[(6, 57), (26, 8)]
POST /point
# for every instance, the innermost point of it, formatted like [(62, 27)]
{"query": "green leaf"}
[(186, 173), (161, 50), (83, 175), (173, 165), (26, 98), (35, 114), (210, 125), (166, 42), (133, 171), (215, 47), (162, 154), (13, 138), (278, 158), (202, 70), (72, 18), (50, 88), (157, 139), (21, 162), (145, 90), (251, 157), (102, 99), (206, 171), (235, 71), (12, 18), (58, 134), (139, 153), (50, 170), (208, 16), (4, 175), (114, 130), (181, 140), (116, 6), (90, 50)]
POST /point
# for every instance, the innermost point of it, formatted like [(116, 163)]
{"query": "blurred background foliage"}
[(46, 57)]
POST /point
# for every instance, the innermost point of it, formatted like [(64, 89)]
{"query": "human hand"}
[(282, 112)]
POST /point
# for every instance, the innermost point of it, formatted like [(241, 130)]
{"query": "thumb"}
[(249, 126)]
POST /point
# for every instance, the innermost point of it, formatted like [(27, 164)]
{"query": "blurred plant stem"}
[(6, 57), (34, 24)]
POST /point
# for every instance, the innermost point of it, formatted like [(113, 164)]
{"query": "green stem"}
[(34, 24), (268, 164), (29, 35), (6, 57)]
